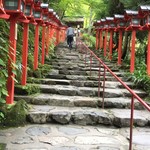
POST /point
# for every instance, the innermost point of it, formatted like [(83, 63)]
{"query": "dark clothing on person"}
[(69, 40), (70, 34)]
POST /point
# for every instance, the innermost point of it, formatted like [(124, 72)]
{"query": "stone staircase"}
[(69, 95)]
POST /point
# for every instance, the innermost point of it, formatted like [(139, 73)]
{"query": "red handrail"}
[(134, 95)]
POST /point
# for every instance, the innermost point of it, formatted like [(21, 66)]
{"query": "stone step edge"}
[(79, 101), (86, 83), (84, 116)]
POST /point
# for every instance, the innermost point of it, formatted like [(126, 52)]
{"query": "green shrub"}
[(89, 40)]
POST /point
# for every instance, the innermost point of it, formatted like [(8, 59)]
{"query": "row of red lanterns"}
[(130, 21), (38, 14)]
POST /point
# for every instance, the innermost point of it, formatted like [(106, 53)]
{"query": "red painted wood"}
[(43, 45), (105, 43), (111, 45), (101, 39), (132, 60), (25, 53), (97, 39), (148, 54)]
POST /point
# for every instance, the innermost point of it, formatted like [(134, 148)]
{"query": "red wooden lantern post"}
[(121, 25), (38, 19), (144, 11), (133, 18), (63, 31), (45, 12), (101, 36), (57, 29), (15, 10), (50, 13), (57, 35), (111, 27), (28, 12), (53, 27)]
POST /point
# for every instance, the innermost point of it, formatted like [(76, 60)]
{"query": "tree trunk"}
[(126, 41)]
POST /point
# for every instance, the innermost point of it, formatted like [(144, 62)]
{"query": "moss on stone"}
[(16, 114), (27, 90), (2, 146)]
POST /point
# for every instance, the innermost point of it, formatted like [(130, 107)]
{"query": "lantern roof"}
[(109, 18), (143, 10), (131, 12), (50, 10), (118, 16), (103, 20), (44, 5)]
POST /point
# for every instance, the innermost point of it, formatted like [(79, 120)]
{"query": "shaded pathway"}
[(68, 102)]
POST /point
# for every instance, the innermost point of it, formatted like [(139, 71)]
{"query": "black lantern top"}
[(37, 11), (45, 12), (144, 12), (110, 22), (121, 22), (29, 8), (14, 6), (133, 19)]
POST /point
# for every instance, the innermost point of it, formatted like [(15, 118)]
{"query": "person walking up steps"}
[(70, 34)]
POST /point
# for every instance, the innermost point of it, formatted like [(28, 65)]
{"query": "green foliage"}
[(115, 7), (140, 77), (3, 61), (42, 71), (89, 40), (27, 90), (2, 117)]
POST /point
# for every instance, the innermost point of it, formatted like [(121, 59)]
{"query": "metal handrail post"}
[(103, 87), (99, 78), (90, 63), (131, 122)]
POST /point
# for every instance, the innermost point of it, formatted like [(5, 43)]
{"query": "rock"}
[(23, 140), (85, 118), (37, 117), (38, 131), (61, 117), (54, 72), (72, 130)]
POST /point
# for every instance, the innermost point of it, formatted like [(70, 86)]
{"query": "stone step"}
[(78, 101), (85, 116), (81, 77), (83, 72), (84, 83), (86, 91), (80, 64)]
